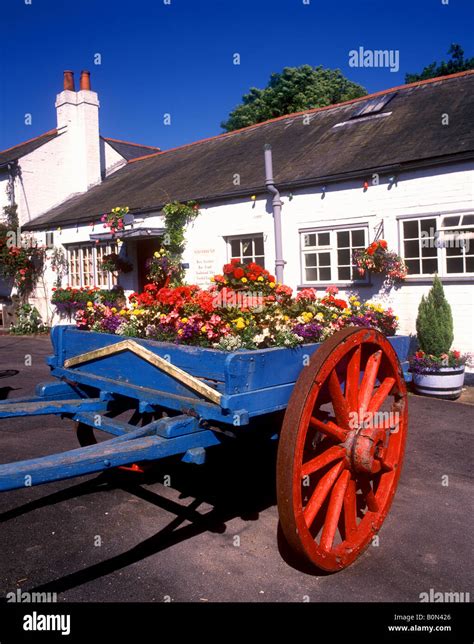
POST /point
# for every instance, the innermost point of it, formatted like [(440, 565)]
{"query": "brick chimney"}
[(78, 121)]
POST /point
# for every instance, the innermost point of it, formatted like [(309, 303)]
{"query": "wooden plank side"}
[(205, 363)]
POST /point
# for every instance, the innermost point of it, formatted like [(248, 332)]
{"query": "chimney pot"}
[(85, 80), (69, 80)]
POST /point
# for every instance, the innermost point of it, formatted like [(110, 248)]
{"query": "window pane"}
[(412, 249), (451, 221), (247, 248), (413, 266), (410, 229), (470, 264), (454, 251), (325, 274), (428, 226), (260, 261), (311, 274), (323, 239), (247, 260), (343, 239), (259, 245), (235, 248), (344, 257), (468, 220), (454, 265), (428, 251), (310, 259), (309, 240), (324, 259), (358, 238), (429, 266), (344, 272)]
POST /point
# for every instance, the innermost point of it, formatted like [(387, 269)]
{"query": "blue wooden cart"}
[(341, 443)]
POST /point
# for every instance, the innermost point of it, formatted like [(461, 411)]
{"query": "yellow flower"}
[(260, 279), (272, 285), (319, 316), (180, 331), (184, 320), (240, 323), (123, 312), (356, 303), (203, 329), (156, 254), (113, 309), (334, 316), (352, 298), (89, 305), (244, 280)]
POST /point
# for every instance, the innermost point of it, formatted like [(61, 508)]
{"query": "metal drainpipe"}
[(276, 206)]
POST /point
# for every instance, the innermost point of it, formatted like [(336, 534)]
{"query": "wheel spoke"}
[(352, 380), (332, 454), (329, 429), (334, 511), (339, 403), (320, 493), (368, 381), (350, 509), (369, 495), (381, 394)]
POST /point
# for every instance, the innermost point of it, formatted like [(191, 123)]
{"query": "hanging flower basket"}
[(376, 258), (113, 263)]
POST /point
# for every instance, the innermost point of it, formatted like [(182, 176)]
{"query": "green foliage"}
[(295, 89), (28, 321), (59, 265), (457, 63), (11, 216), (434, 324), (177, 217)]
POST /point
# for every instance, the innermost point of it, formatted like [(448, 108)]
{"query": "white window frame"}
[(441, 254), (241, 238), (79, 251), (332, 248)]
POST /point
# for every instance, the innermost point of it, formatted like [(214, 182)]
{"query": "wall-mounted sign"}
[(204, 265)]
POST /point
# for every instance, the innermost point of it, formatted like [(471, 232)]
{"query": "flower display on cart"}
[(228, 318), (69, 300), (376, 258)]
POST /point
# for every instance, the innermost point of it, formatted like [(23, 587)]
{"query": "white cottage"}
[(398, 165)]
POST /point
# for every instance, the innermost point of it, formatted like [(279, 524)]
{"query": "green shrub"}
[(434, 324), (28, 321)]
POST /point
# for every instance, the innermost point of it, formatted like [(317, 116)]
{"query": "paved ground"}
[(157, 543)]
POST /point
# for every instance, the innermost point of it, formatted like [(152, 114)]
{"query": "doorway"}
[(145, 250)]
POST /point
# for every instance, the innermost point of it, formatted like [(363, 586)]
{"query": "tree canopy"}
[(295, 89), (457, 63)]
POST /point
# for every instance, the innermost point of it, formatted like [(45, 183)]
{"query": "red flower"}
[(383, 244), (239, 273), (228, 268)]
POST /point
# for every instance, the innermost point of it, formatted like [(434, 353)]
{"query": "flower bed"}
[(228, 317)]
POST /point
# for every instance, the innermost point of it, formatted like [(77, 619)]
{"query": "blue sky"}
[(178, 58)]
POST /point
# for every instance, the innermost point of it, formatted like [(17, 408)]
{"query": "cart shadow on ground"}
[(237, 481)]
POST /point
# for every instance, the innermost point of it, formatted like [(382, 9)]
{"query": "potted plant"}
[(437, 370)]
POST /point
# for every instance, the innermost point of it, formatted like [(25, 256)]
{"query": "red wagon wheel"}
[(341, 448)]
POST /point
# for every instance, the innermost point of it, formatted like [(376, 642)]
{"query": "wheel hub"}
[(365, 448)]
